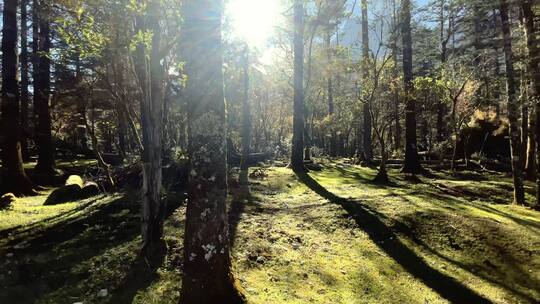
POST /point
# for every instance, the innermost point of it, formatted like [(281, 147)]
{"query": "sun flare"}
[(254, 21)]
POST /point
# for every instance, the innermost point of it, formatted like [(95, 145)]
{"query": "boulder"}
[(6, 200), (71, 191), (75, 180), (64, 194)]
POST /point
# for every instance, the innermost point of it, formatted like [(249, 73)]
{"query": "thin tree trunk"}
[(524, 99), (367, 139), (530, 166), (519, 195), (42, 93), (25, 99), (412, 163), (395, 73), (297, 158), (14, 178), (246, 123), (534, 69), (150, 74), (207, 262), (330, 93)]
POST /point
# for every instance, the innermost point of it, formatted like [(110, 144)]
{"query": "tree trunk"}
[(440, 103), (530, 167), (297, 158), (150, 73), (14, 178), (519, 195), (395, 73), (524, 100), (330, 93), (412, 163), (367, 139), (25, 99), (207, 262), (534, 69), (42, 93), (246, 123)]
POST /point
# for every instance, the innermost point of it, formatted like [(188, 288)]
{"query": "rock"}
[(89, 189), (64, 194), (102, 293), (75, 189), (75, 180), (6, 200)]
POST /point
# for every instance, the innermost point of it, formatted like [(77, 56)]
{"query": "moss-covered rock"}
[(6, 200), (74, 189)]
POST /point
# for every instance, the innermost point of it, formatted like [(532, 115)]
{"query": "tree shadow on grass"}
[(241, 197), (446, 286), (142, 273), (53, 257)]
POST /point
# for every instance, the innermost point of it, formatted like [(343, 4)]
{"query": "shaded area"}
[(387, 240), (142, 273), (54, 257)]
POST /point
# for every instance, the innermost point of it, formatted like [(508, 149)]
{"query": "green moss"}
[(292, 245)]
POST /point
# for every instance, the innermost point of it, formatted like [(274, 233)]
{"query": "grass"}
[(330, 237)]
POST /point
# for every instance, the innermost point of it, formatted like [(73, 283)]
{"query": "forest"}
[(270, 151)]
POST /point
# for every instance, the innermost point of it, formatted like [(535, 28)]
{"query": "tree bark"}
[(25, 99), (150, 74), (533, 63), (395, 72), (412, 163), (42, 92), (207, 262), (367, 138), (330, 94), (298, 115), (14, 178), (515, 142), (246, 123)]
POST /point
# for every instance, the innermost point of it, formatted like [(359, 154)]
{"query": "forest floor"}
[(327, 237)]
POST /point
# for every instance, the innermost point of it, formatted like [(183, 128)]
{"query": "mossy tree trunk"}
[(14, 178), (150, 73), (297, 159), (513, 106), (412, 162), (42, 93), (207, 262)]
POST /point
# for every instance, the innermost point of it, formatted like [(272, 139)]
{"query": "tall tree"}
[(207, 261), (367, 142), (25, 99), (412, 162), (330, 91), (513, 106), (534, 70), (298, 113), (42, 92), (395, 74), (246, 122), (14, 178), (150, 71)]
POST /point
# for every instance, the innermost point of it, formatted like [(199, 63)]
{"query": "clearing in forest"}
[(327, 237)]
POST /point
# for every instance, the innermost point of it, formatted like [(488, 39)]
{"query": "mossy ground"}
[(330, 237)]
